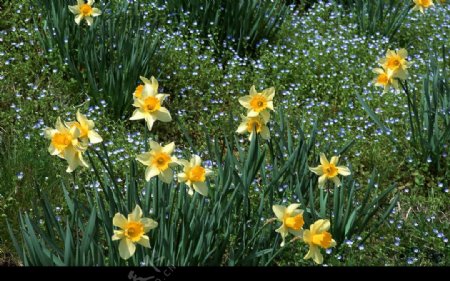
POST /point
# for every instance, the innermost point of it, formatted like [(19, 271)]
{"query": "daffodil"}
[(148, 103), (395, 64), (138, 92), (421, 5), (159, 161), (85, 11), (318, 237), (65, 143), (259, 103), (384, 80), (291, 219), (132, 231), (329, 170), (254, 124), (194, 175), (86, 128)]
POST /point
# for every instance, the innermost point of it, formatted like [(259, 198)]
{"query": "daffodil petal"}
[(279, 211), (120, 220), (201, 187), (126, 248)]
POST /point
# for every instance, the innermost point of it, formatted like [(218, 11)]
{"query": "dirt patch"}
[(6, 259)]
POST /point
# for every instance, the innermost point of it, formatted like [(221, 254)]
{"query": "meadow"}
[(225, 133)]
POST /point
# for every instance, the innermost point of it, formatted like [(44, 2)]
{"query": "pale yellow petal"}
[(245, 101), (89, 20), (342, 170), (169, 148), (336, 181), (94, 137), (144, 158), (144, 241), (74, 9), (166, 175), (136, 215), (292, 207), (163, 115), (126, 248), (182, 177), (334, 160), (149, 224), (149, 120), (150, 172), (138, 114), (155, 146), (322, 180), (120, 220), (265, 133), (118, 234), (201, 187), (323, 159), (96, 12), (279, 211), (317, 170)]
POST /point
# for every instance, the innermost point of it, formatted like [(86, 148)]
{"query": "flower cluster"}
[(69, 140), (317, 236), (148, 103), (258, 115), (394, 67)]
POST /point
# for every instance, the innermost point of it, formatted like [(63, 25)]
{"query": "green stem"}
[(410, 112), (279, 251)]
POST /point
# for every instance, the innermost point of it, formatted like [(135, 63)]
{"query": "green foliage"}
[(243, 23), (110, 55), (382, 17), (227, 227), (428, 117)]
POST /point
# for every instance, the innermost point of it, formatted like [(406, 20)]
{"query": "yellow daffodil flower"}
[(329, 170), (318, 237), (86, 128), (254, 124), (291, 219), (85, 11), (148, 103), (159, 161), (65, 143), (421, 5), (259, 103), (395, 64), (194, 175), (384, 80), (132, 230)]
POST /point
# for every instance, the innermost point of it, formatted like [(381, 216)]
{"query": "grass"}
[(317, 67)]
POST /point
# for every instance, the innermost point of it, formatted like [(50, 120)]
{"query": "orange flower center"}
[(330, 170), (197, 174), (383, 79), (138, 91), (86, 10), (323, 239), (151, 104), (161, 161), (295, 222), (393, 62), (258, 103), (61, 140), (254, 124), (425, 3), (134, 230)]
